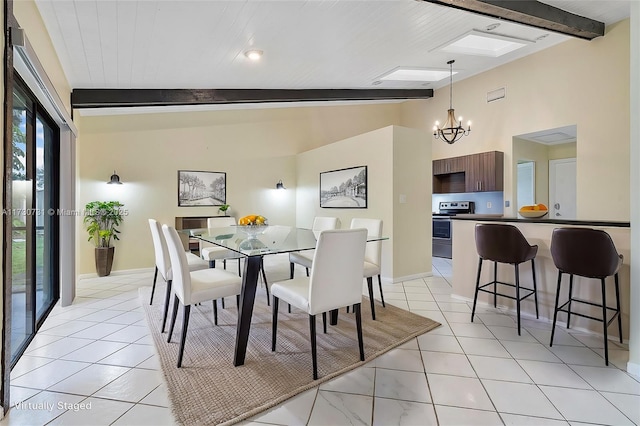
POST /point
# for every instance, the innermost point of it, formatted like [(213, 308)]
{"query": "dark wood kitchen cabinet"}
[(470, 173), (448, 165), (484, 172)]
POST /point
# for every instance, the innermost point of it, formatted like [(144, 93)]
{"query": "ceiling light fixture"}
[(254, 55), (452, 130)]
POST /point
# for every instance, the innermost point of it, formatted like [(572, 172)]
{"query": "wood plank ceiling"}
[(159, 44)]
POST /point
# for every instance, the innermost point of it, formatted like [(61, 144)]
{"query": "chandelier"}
[(452, 130)]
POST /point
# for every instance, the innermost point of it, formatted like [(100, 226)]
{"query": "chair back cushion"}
[(336, 273), (503, 243), (179, 264), (373, 253), (585, 252), (221, 222), (323, 223), (163, 263)]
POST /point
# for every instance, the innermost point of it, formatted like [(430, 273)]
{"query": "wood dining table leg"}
[(247, 298)]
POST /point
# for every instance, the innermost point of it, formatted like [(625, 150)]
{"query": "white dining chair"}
[(211, 252), (195, 287), (372, 256), (305, 257), (163, 264), (335, 282)]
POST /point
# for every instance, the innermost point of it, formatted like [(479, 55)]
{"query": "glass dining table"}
[(254, 243)]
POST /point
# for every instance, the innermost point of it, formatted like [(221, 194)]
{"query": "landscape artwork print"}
[(344, 189), (197, 189)]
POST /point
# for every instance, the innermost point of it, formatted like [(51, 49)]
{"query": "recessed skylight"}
[(484, 44), (415, 74)]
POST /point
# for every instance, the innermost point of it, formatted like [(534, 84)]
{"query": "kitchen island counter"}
[(543, 220), (538, 232)]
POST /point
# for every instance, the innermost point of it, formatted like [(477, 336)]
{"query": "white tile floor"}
[(99, 352)]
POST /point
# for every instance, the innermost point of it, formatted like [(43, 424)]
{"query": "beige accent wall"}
[(398, 162), (255, 148), (564, 150), (579, 82), (539, 153)]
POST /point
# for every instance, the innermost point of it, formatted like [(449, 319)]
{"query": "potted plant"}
[(223, 208), (101, 219)]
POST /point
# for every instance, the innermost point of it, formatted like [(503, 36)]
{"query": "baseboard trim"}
[(120, 272), (396, 280)]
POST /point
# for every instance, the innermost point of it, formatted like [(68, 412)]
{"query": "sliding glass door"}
[(34, 222)]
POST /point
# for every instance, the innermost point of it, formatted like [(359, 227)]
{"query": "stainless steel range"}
[(442, 225)]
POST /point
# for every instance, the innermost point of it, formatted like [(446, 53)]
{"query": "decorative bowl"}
[(530, 214), (253, 231)]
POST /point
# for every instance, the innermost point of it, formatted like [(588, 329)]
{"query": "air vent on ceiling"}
[(497, 94)]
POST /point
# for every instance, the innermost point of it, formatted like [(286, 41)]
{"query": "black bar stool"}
[(504, 244), (587, 253)]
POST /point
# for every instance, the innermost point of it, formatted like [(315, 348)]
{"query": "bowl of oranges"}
[(253, 225), (534, 211)]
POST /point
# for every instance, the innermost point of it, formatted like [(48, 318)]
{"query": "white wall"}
[(398, 162)]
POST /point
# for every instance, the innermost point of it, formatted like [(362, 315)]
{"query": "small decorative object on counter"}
[(534, 211)]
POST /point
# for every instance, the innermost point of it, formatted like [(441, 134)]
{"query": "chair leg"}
[(274, 323), (381, 295), (215, 312), (291, 269), (475, 298), (555, 311), (604, 323), (183, 338), (173, 318), (373, 307), (307, 269), (268, 297), (312, 335), (517, 272), (264, 278), (153, 287), (324, 322), (238, 302), (289, 308), (212, 264), (223, 307), (535, 288), (495, 284), (239, 273), (356, 308), (615, 277), (167, 299), (224, 264), (570, 298)]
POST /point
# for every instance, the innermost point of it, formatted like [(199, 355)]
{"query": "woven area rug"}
[(208, 389)]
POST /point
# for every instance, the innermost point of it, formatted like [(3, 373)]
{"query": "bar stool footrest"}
[(482, 288), (586, 302)]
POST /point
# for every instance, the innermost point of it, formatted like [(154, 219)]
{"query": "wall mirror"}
[(544, 170)]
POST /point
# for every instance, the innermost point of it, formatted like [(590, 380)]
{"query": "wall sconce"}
[(280, 185), (114, 179)]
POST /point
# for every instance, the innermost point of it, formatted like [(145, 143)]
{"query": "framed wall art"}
[(344, 188), (200, 189)]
